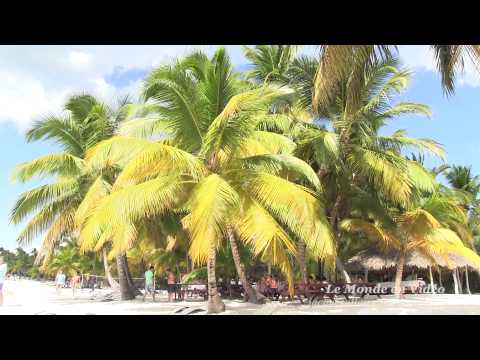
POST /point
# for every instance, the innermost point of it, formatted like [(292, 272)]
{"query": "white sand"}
[(32, 297)]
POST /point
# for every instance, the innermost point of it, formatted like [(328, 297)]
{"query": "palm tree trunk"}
[(143, 266), (460, 280), (333, 223), (253, 295), (432, 284), (302, 260), (398, 275), (320, 268), (131, 284), (341, 268), (111, 281), (215, 303), (455, 281), (467, 283), (365, 275), (125, 291), (440, 277)]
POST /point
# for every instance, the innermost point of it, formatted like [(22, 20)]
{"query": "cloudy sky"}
[(35, 80)]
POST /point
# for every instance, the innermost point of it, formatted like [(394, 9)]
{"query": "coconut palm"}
[(216, 165), (348, 63), (461, 178), (342, 142), (65, 258), (84, 123), (271, 62), (424, 226)]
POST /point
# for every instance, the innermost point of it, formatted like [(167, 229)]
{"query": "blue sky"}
[(35, 80)]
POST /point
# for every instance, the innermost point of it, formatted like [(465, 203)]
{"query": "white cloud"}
[(418, 57), (22, 98), (79, 58), (421, 58), (37, 79)]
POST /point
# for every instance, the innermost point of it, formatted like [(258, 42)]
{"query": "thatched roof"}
[(374, 259)]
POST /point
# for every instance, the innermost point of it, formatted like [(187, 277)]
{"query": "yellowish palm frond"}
[(263, 142), (296, 207), (97, 191), (212, 203), (258, 229), (237, 121), (385, 170), (123, 238), (403, 142), (372, 230), (41, 221), (130, 205), (445, 242), (62, 164), (286, 166), (421, 179), (418, 223), (117, 150), (143, 125), (160, 160), (63, 224)]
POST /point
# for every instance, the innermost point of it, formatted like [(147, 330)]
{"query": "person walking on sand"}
[(60, 281), (3, 274), (170, 285), (75, 282), (149, 283)]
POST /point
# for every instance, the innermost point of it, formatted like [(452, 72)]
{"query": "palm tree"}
[(429, 225), (52, 206), (341, 141), (271, 62), (348, 63), (461, 179), (215, 164), (65, 258)]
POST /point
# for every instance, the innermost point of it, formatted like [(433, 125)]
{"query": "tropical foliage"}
[(214, 170)]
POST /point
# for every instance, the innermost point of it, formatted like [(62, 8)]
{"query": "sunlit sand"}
[(32, 297)]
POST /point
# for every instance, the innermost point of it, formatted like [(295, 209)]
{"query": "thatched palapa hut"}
[(376, 260)]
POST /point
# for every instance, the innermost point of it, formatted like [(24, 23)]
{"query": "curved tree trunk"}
[(341, 268), (432, 283), (111, 281), (455, 281), (460, 280), (131, 284), (215, 303), (253, 295), (125, 292), (302, 260), (467, 283), (333, 223), (398, 275)]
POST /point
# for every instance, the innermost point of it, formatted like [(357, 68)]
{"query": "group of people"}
[(61, 282), (269, 286), (150, 284)]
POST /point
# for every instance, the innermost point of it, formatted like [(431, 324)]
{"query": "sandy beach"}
[(26, 297)]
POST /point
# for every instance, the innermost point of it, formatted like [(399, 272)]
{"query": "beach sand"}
[(33, 297)]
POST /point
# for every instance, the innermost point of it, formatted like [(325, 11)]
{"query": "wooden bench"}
[(312, 292)]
